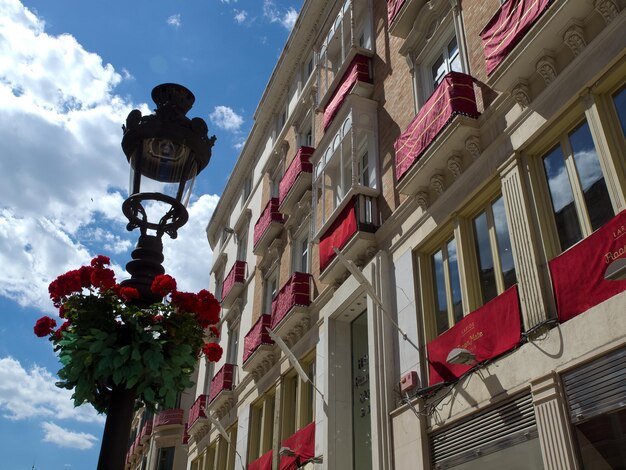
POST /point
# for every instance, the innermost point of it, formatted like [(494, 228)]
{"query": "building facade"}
[(469, 159)]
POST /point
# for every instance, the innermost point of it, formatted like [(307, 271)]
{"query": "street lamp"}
[(166, 151)]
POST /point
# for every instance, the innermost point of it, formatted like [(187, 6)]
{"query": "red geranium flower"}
[(184, 301), (44, 326), (128, 293), (214, 331), (100, 261), (163, 284), (208, 309), (212, 351), (85, 276), (103, 278)]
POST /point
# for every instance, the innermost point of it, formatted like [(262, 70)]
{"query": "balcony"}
[(269, 225), (356, 80), (440, 129), (290, 307), (522, 33), (258, 353), (198, 422), (296, 180), (233, 284), (403, 15), (186, 435), (353, 233), (222, 394), (168, 418)]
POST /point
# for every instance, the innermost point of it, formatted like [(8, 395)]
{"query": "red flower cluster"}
[(85, 277), (214, 331), (128, 293), (203, 304), (64, 327), (163, 284), (212, 351), (44, 326)]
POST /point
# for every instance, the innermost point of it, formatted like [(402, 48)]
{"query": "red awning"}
[(357, 71), (338, 234), (302, 443), (578, 273), (454, 95), (507, 27), (262, 463), (300, 164), (489, 331)]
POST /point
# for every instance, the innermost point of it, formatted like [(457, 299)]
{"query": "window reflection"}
[(441, 315), (485, 260), (562, 197), (619, 100), (507, 266), (591, 178)]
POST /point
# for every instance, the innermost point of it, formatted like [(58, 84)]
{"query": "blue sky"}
[(70, 71)]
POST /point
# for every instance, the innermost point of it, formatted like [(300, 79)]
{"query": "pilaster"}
[(557, 447), (523, 244)]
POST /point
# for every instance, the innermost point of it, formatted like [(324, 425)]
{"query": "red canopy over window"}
[(295, 292), (197, 409), (237, 274), (270, 214), (223, 380), (338, 234), (357, 71), (262, 463), (578, 273), (489, 331), (507, 27), (302, 443), (454, 95)]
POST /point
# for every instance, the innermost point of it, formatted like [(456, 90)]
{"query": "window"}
[(301, 254), (447, 287), (246, 190), (307, 69), (496, 270), (166, 458), (271, 289), (298, 399), (579, 197), (351, 151), (458, 278), (261, 426), (619, 100), (306, 137), (448, 61), (233, 344), (242, 245)]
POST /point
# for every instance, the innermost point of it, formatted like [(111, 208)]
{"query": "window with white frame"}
[(351, 152), (219, 282), (233, 344), (579, 197), (242, 244), (449, 60), (300, 250), (488, 263), (246, 189), (275, 178), (270, 290)]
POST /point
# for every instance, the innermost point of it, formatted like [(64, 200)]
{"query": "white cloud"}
[(227, 119), (188, 258), (286, 18), (241, 16), (31, 394), (175, 21), (66, 438)]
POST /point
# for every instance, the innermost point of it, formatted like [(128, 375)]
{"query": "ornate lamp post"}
[(166, 151)]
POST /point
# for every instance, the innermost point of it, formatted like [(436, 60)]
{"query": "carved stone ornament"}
[(422, 199), (297, 331), (521, 94), (574, 37), (455, 165), (437, 182), (607, 8), (546, 67), (472, 145)]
